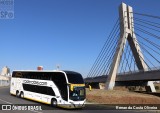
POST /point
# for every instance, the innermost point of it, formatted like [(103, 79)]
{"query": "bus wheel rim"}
[(22, 95), (54, 102)]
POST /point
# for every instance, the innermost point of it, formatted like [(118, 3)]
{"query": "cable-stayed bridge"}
[(131, 53)]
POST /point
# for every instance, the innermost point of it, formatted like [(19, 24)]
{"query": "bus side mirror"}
[(70, 86)]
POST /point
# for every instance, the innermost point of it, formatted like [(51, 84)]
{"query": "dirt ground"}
[(120, 97)]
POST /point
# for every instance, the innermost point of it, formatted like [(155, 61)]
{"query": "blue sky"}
[(70, 33)]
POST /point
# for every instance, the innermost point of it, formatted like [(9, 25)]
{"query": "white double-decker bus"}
[(59, 88)]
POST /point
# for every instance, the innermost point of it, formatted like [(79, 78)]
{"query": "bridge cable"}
[(108, 64), (146, 32), (149, 47), (140, 50), (157, 17), (146, 56), (150, 42), (102, 50), (146, 27), (142, 57), (110, 53), (103, 56), (151, 54), (147, 22)]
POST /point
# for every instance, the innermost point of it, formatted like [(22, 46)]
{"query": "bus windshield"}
[(77, 94), (75, 78)]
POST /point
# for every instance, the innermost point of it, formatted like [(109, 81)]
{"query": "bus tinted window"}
[(17, 74), (33, 75), (50, 91), (39, 89), (75, 78), (60, 80), (59, 77)]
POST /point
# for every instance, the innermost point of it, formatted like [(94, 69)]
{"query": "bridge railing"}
[(129, 73), (140, 71)]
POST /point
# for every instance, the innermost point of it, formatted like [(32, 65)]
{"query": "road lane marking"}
[(2, 87), (5, 101), (13, 104), (36, 111)]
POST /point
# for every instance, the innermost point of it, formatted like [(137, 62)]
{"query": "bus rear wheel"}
[(54, 103)]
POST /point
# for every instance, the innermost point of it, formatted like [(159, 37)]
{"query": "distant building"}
[(4, 81), (5, 71), (5, 76)]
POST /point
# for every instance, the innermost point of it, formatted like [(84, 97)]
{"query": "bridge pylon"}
[(127, 34)]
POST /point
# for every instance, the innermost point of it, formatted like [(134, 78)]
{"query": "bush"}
[(157, 87)]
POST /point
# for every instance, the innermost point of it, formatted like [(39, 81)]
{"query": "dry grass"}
[(120, 97)]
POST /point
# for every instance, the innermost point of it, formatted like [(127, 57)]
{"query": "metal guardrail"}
[(130, 72), (140, 71)]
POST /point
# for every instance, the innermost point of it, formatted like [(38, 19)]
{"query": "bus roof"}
[(66, 71)]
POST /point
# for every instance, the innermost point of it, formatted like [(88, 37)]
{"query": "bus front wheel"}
[(54, 103)]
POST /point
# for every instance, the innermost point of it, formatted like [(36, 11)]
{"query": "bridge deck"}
[(153, 75)]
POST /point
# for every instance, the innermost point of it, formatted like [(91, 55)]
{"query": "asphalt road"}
[(6, 98)]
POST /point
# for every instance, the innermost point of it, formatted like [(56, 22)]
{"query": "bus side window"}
[(41, 76), (60, 81), (13, 74), (44, 91), (29, 75), (23, 74), (48, 76), (34, 75), (45, 76), (37, 76), (50, 91)]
